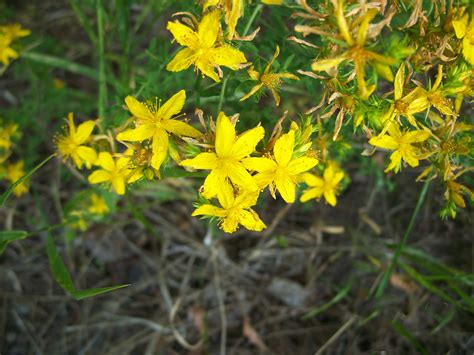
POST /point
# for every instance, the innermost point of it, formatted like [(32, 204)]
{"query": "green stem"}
[(60, 63), (102, 75), (388, 273)]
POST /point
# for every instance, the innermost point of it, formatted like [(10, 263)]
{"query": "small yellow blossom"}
[(115, 171), (272, 81), (235, 211), (97, 206), (437, 96), (6, 51), (7, 134), (465, 29), (326, 186), (226, 163), (13, 172), (204, 47), (401, 142), (281, 173), (72, 145), (357, 53), (415, 101), (14, 31), (156, 124)]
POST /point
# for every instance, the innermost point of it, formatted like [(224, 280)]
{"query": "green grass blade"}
[(83, 20), (101, 53), (388, 273), (337, 298), (60, 63), (4, 197), (63, 277), (400, 329), (6, 237)]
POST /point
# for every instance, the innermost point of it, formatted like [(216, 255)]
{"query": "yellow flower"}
[(281, 173), (436, 96), (6, 52), (406, 106), (115, 171), (97, 205), (204, 48), (233, 9), (14, 31), (156, 124), (401, 142), (235, 211), (226, 164), (465, 29), (272, 81), (326, 186), (7, 133), (13, 172), (357, 53), (72, 145)]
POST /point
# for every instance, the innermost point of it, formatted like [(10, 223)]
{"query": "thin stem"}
[(102, 75), (388, 273)]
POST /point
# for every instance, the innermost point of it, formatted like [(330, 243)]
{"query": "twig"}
[(336, 335)]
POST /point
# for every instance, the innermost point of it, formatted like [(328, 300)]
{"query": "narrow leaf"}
[(7, 237)]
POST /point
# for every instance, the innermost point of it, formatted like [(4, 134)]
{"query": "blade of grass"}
[(337, 298), (63, 277), (400, 329), (84, 21), (61, 63), (388, 273), (101, 53), (4, 197)]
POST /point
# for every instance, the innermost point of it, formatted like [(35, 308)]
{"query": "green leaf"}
[(339, 297), (7, 237), (63, 278), (400, 329)]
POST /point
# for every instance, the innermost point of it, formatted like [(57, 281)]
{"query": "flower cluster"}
[(385, 87)]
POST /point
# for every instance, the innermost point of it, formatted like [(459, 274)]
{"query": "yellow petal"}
[(205, 161), (118, 183), (239, 176), (138, 109), (139, 134), (233, 16), (301, 164), (330, 197), (418, 105), (342, 23), (180, 128), (226, 56), (283, 149), (468, 46), (399, 82), (362, 32), (208, 29), (251, 92), (326, 64), (226, 196), (213, 183), (251, 221), (207, 69), (182, 60), (87, 154), (286, 187), (259, 164), (208, 210), (84, 131), (311, 193), (312, 180), (395, 161), (409, 155), (225, 135), (172, 107), (246, 142), (184, 35), (460, 26), (386, 142), (383, 70), (230, 223), (416, 136), (159, 148), (276, 96), (99, 176), (105, 161)]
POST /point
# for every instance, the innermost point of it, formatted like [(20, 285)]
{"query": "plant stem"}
[(102, 75), (386, 277)]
